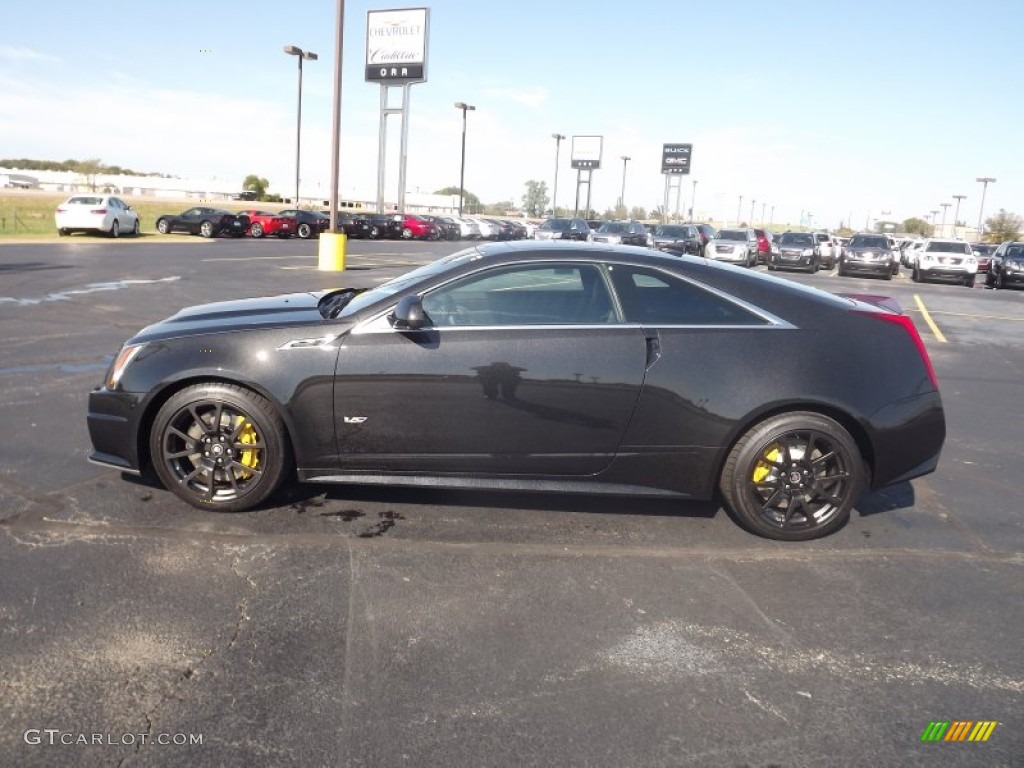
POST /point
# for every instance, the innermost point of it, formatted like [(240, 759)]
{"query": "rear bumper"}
[(908, 439)]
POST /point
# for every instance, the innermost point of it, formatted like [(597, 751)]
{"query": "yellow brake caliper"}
[(249, 458), (763, 468)]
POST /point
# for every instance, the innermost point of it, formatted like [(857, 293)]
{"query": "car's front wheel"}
[(219, 446), (163, 226), (256, 230), (304, 231), (793, 477), (115, 229), (969, 281), (135, 228)]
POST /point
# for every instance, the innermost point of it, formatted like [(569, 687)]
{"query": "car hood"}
[(243, 314)]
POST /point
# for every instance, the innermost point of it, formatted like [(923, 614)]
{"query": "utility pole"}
[(985, 181), (956, 214)]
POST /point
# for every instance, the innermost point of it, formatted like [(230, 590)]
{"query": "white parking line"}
[(259, 258)]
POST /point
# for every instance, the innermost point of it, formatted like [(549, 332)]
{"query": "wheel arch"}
[(156, 402), (860, 434)]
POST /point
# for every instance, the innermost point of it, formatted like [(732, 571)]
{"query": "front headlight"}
[(1012, 266), (124, 358), (807, 252)]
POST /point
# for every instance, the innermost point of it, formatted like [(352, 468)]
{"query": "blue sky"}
[(841, 109)]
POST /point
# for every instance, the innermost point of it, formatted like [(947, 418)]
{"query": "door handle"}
[(653, 350)]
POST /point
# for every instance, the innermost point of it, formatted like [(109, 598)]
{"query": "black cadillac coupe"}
[(205, 221), (544, 366)]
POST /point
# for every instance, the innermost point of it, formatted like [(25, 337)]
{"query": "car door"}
[(522, 369), (188, 221)]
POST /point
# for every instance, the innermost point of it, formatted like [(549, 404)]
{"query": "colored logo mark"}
[(959, 730)]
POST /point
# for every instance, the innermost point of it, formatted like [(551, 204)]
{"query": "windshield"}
[(392, 287), (732, 234), (940, 246), (796, 238), (613, 227), (556, 225), (670, 231), (866, 241)]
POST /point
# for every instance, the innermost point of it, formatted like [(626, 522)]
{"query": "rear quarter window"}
[(651, 297)]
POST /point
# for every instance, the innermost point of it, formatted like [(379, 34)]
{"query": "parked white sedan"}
[(96, 213)]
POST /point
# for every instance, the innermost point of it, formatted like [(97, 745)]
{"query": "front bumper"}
[(867, 267), (113, 422)]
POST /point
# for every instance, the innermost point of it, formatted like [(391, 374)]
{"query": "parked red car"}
[(414, 226), (764, 246), (265, 223)]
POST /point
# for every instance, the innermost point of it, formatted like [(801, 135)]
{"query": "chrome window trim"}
[(771, 321)]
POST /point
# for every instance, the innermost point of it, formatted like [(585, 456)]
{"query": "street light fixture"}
[(622, 196), (462, 170), (956, 214), (554, 194), (985, 181), (294, 50)]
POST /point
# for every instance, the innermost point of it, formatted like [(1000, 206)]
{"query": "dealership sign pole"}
[(675, 162), (586, 156), (396, 55)]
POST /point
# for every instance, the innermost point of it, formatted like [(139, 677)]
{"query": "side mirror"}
[(409, 314)]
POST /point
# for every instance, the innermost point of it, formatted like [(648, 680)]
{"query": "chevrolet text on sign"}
[(396, 46)]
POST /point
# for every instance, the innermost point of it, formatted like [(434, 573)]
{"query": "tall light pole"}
[(294, 50), (763, 206), (771, 221), (945, 210), (622, 196), (956, 214), (934, 214), (985, 181), (739, 211), (752, 202), (693, 200), (462, 169), (554, 194)]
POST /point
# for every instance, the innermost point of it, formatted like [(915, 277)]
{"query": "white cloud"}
[(16, 54)]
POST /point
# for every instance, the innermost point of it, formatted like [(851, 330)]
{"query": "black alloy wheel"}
[(219, 446), (793, 477), (206, 229)]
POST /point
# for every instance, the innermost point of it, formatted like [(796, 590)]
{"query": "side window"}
[(655, 298), (563, 294)]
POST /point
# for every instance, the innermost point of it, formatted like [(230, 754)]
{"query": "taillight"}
[(908, 325), (98, 210), (62, 210)]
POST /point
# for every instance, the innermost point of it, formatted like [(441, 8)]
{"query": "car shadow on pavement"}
[(899, 496)]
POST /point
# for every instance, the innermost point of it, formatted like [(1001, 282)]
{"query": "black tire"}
[(256, 230), (248, 454), (793, 477), (136, 229), (969, 281), (888, 275), (1000, 281), (207, 229), (115, 229), (916, 275), (163, 226), (62, 232), (304, 231)]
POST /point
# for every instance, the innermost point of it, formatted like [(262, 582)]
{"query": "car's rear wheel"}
[(62, 231), (219, 446), (206, 229), (304, 231), (136, 228), (163, 226), (256, 230), (115, 229), (793, 477), (406, 233)]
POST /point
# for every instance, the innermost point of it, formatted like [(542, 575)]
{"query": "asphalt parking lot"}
[(371, 627)]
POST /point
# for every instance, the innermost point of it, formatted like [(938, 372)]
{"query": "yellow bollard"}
[(332, 252)]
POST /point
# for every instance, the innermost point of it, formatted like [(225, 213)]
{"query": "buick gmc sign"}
[(675, 158)]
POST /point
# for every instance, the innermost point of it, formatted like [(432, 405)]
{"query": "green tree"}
[(1003, 226), (536, 199), (254, 183), (470, 202), (89, 168), (638, 212), (916, 226)]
